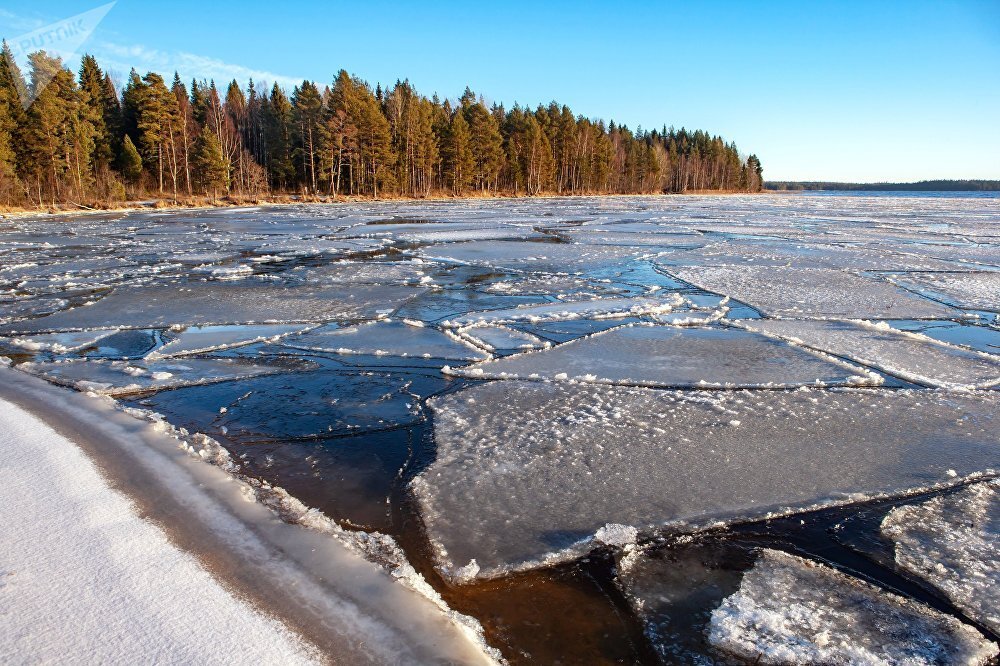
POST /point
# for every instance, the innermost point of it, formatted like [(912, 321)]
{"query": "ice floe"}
[(813, 293), (388, 337), (603, 308), (123, 377), (197, 339), (910, 356), (953, 542), (668, 356), (793, 611), (527, 472)]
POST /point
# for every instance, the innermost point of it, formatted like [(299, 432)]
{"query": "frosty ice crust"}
[(535, 469), (793, 611), (389, 337), (667, 356), (953, 543), (817, 293), (910, 356)]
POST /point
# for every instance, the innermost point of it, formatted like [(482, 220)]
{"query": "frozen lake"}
[(582, 418)]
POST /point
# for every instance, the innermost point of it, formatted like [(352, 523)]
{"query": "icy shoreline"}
[(332, 599)]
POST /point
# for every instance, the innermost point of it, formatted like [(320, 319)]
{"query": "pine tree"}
[(485, 145), (211, 168), (92, 109), (11, 118), (130, 162), (307, 111), (278, 133), (460, 160)]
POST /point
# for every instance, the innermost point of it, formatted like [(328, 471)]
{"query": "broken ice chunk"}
[(527, 472), (196, 339), (953, 542), (813, 293), (910, 356), (492, 338), (604, 308), (60, 342), (650, 355), (793, 611), (124, 377), (389, 337), (978, 290)]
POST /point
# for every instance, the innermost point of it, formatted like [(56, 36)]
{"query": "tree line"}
[(68, 137), (921, 186)]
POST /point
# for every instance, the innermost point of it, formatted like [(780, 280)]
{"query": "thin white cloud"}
[(189, 65)]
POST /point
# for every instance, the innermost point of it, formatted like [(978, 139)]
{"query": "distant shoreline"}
[(920, 186)]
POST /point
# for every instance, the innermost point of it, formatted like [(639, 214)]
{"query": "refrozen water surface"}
[(503, 385)]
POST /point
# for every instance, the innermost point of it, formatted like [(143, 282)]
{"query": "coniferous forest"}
[(83, 139)]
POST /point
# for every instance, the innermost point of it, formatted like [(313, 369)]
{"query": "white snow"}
[(85, 579), (353, 593), (793, 611), (953, 542)]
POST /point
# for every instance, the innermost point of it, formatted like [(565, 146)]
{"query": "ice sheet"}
[(603, 308), (668, 356), (196, 339), (813, 293), (124, 377), (980, 291), (203, 303), (58, 342), (388, 337), (953, 542), (791, 610), (517, 491), (910, 356), (501, 337)]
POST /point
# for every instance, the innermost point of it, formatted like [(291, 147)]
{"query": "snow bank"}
[(350, 593), (84, 578)]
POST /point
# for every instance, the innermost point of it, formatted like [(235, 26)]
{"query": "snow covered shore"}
[(119, 547)]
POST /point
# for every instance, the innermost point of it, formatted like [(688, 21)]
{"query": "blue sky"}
[(858, 91)]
